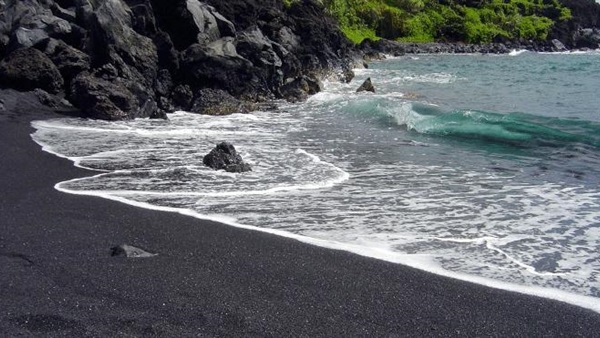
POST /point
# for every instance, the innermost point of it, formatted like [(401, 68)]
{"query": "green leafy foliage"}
[(473, 21)]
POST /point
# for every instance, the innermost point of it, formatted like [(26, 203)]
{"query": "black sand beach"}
[(57, 276)]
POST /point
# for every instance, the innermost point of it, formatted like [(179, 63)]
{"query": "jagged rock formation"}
[(366, 86), (117, 59), (583, 30), (225, 157), (28, 69)]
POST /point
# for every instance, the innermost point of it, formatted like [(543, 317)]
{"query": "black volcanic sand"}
[(57, 277)]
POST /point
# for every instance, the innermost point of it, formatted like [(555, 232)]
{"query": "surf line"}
[(488, 240)]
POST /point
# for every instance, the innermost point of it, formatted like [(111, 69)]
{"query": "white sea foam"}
[(516, 52), (374, 250)]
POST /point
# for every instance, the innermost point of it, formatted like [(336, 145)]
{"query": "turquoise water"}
[(483, 168)]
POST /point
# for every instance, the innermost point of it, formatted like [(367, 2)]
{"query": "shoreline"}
[(586, 302), (214, 279), (373, 49)]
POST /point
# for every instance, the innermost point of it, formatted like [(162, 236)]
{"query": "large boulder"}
[(265, 54), (69, 61), (27, 69), (297, 90), (218, 102), (286, 43), (102, 99), (25, 23), (587, 38), (225, 157), (116, 42), (366, 86), (125, 55), (191, 21), (182, 97), (218, 65), (259, 49)]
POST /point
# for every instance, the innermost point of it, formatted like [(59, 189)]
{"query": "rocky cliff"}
[(116, 59)]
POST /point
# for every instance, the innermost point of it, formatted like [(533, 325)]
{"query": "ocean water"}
[(479, 167)]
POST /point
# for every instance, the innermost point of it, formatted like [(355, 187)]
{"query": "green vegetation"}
[(473, 21)]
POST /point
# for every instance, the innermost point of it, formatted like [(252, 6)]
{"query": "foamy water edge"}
[(421, 262)]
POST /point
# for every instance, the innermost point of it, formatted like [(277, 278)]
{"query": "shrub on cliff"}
[(480, 21)]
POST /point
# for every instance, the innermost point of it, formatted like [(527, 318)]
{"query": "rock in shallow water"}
[(366, 86), (224, 156)]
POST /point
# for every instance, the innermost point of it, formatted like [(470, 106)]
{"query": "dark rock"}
[(585, 14), (376, 50), (254, 46), (28, 22), (27, 69), (191, 21), (102, 99), (65, 3), (65, 14), (128, 60), (266, 55), (218, 102), (164, 83), (70, 61), (307, 41), (182, 97), (107, 72), (287, 38), (116, 42), (168, 56), (218, 65), (299, 89), (84, 12), (366, 86), (587, 38), (129, 251), (140, 58), (47, 99), (224, 156), (143, 20), (166, 105)]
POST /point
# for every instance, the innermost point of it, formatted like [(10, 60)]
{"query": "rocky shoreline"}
[(120, 59), (373, 49), (123, 59)]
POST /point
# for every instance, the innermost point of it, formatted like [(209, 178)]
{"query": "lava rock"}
[(102, 99), (225, 157), (130, 251), (366, 86), (69, 61), (29, 22), (191, 21), (218, 65), (182, 97), (300, 88), (218, 102), (116, 42), (49, 100), (27, 69)]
